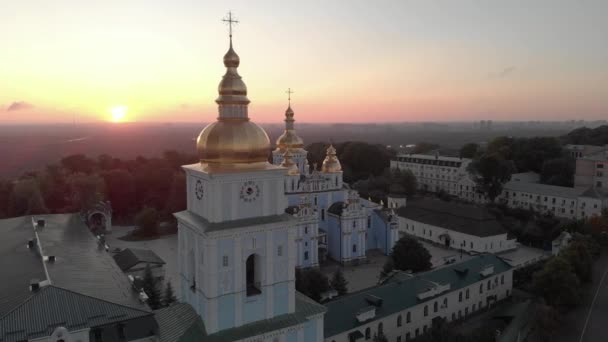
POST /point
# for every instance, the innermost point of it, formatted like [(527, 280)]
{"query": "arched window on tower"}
[(191, 270), (253, 275)]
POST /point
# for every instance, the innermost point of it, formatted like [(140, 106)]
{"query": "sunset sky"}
[(348, 61)]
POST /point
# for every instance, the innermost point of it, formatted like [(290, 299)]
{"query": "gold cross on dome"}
[(228, 19), (289, 92)]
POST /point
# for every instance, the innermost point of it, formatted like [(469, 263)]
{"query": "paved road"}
[(588, 323)]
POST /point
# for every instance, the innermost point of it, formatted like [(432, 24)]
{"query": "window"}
[(426, 310), (488, 287), (466, 311), (598, 184), (380, 328), (467, 294), (315, 200), (399, 320), (252, 275), (225, 261), (354, 248), (408, 317), (280, 250), (445, 302), (322, 214), (480, 288), (97, 335), (435, 307), (368, 333), (121, 332), (354, 224), (460, 296), (306, 230), (306, 255), (453, 316), (369, 222)]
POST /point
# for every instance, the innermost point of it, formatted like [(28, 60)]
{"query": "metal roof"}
[(130, 257), (51, 307), (191, 329), (542, 189), (457, 216), (207, 226), (81, 262), (401, 292)]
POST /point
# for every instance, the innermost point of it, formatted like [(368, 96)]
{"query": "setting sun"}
[(119, 113)]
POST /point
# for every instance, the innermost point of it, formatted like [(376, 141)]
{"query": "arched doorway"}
[(253, 271)]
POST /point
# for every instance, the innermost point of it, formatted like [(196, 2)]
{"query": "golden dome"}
[(289, 139), (233, 141), (331, 162), (292, 168)]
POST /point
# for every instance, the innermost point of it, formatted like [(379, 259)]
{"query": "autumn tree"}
[(150, 287), (169, 295), (147, 221)]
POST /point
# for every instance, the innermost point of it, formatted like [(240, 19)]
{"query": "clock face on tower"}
[(250, 191), (198, 190)]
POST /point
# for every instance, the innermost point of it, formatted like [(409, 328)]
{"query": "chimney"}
[(31, 243), (41, 223), (34, 285), (51, 258)]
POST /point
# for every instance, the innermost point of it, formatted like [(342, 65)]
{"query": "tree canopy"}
[(490, 173), (409, 255), (338, 282), (557, 284), (311, 282)]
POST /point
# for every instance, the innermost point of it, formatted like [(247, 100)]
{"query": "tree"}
[(86, 190), (557, 284), (338, 282), (147, 220), (546, 322), (388, 267), (26, 199), (490, 173), (78, 163), (578, 256), (312, 283), (558, 171), (177, 197), (169, 296), (120, 188), (424, 147), (150, 287), (409, 254), (469, 150)]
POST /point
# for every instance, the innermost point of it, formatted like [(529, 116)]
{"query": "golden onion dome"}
[(331, 162), (292, 168), (289, 139), (233, 141)]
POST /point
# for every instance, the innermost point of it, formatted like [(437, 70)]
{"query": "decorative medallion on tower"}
[(250, 191), (199, 191)]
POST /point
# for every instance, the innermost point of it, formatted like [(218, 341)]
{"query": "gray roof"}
[(130, 257), (593, 192), (51, 307), (81, 264), (207, 226), (192, 329), (542, 189), (18, 263), (401, 293), (179, 322), (457, 216)]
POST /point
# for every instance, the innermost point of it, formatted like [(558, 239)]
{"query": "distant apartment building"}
[(435, 173), (561, 201), (578, 151), (592, 169)]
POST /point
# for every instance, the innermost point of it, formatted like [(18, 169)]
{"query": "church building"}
[(236, 241)]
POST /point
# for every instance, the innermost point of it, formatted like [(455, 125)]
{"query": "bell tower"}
[(236, 243)]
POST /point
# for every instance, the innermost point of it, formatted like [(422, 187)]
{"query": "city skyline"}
[(347, 62)]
